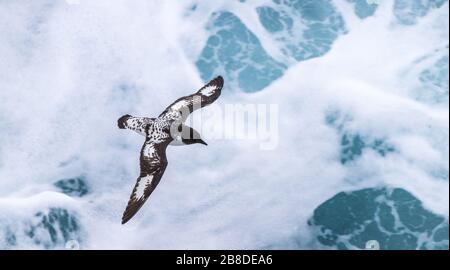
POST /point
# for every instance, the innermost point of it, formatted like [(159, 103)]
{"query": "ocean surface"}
[(362, 89)]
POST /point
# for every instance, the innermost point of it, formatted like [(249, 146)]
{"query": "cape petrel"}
[(167, 128)]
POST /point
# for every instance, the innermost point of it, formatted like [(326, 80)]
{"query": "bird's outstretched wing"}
[(153, 163), (137, 124), (182, 107)]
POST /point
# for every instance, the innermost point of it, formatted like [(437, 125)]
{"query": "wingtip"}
[(125, 219), (122, 120), (219, 80), (126, 216)]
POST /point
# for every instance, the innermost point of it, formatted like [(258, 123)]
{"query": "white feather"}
[(208, 91), (143, 183)]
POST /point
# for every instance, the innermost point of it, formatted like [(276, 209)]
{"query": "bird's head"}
[(190, 135)]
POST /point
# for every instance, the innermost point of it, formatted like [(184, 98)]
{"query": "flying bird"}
[(167, 128)]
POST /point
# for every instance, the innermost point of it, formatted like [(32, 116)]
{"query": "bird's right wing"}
[(153, 163), (137, 124), (182, 107)]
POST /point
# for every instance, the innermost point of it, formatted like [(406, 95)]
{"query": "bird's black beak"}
[(202, 142)]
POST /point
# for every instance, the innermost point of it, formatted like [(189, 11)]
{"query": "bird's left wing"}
[(153, 163), (182, 107)]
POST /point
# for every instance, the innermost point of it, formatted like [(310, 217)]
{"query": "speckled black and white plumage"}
[(167, 128)]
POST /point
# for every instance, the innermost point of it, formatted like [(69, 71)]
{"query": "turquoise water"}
[(50, 229), (352, 144), (73, 186), (302, 29), (409, 11), (434, 88), (363, 8), (235, 52), (393, 217)]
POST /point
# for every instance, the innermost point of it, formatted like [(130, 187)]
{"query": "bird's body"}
[(167, 128)]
